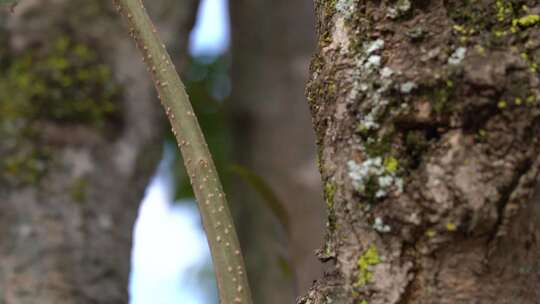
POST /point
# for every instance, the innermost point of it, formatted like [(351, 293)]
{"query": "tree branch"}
[(226, 254)]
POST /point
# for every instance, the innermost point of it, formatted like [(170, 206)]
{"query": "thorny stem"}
[(218, 224)]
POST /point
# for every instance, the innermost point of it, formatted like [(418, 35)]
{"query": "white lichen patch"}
[(370, 120), (403, 5), (374, 46), (368, 84), (365, 75), (345, 7), (374, 173), (407, 87), (386, 72), (401, 8), (373, 61), (380, 226), (458, 56)]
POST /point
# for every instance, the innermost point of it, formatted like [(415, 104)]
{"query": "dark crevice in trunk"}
[(506, 192)]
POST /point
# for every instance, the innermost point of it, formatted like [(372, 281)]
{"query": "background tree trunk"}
[(272, 44), (81, 134), (427, 121)]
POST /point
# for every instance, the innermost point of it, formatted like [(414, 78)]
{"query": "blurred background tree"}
[(272, 44), (83, 133)]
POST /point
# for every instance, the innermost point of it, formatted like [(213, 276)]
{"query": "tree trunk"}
[(428, 124), (272, 44), (81, 133)]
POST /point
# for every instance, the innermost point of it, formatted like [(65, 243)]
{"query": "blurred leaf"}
[(269, 196), (285, 265)]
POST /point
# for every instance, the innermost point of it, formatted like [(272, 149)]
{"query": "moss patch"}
[(78, 190), (64, 82), (526, 21), (368, 259), (329, 191)]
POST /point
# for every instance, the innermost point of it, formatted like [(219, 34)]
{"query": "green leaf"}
[(285, 266), (265, 191)]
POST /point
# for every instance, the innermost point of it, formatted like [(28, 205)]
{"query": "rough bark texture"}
[(273, 42), (79, 144), (427, 122)]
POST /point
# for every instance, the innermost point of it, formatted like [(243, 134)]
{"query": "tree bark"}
[(428, 122), (76, 155), (272, 44)]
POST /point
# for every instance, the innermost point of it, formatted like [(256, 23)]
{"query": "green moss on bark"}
[(64, 82), (365, 263)]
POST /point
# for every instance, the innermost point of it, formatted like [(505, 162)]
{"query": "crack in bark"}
[(521, 170)]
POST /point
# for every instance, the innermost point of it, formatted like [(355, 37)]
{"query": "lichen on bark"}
[(447, 89)]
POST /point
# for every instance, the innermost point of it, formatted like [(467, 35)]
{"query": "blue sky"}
[(211, 34), (169, 242)]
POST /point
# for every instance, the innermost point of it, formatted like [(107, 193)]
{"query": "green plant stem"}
[(217, 220)]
